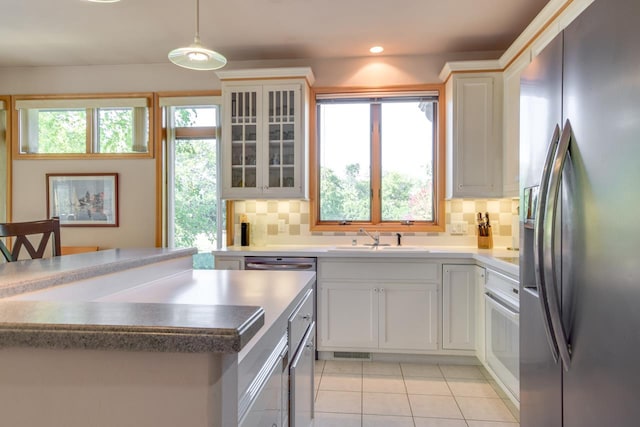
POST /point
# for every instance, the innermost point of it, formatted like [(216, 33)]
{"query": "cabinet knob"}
[(306, 317)]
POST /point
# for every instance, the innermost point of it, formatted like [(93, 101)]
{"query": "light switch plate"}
[(459, 228)]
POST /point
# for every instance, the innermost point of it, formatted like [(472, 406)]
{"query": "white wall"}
[(136, 182), (137, 177)]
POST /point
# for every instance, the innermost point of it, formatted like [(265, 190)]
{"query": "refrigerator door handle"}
[(559, 161), (538, 244)]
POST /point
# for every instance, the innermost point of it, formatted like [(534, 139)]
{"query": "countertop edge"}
[(157, 338), (65, 276)]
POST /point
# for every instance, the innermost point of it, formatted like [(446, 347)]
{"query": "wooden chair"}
[(21, 231), (70, 250)]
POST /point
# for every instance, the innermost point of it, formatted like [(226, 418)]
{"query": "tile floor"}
[(382, 394)]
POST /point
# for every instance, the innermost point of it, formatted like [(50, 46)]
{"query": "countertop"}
[(86, 301), (32, 275), (506, 260)]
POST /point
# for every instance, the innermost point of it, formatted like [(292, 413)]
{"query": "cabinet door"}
[(348, 315), (242, 141), (459, 307), (228, 263), (408, 317), (283, 134), (480, 319), (511, 128), (474, 143)]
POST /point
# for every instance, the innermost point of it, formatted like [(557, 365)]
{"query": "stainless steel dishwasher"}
[(279, 263), (302, 339), (284, 264)]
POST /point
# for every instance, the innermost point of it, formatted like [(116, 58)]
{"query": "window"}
[(193, 210), (69, 126), (4, 163), (378, 161)]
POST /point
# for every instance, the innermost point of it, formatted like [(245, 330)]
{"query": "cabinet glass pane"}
[(281, 106), (236, 133), (244, 139), (274, 154), (288, 153), (287, 132), (274, 133), (251, 132), (250, 154), (287, 176), (274, 177), (236, 154), (236, 177), (250, 177)]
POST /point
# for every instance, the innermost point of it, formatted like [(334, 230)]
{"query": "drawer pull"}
[(306, 317)]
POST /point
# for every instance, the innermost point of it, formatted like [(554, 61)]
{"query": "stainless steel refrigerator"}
[(580, 224)]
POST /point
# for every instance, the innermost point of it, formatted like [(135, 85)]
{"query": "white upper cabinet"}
[(511, 127), (265, 132), (474, 135), (483, 109)]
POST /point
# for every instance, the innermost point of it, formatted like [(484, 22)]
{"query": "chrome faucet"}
[(376, 238)]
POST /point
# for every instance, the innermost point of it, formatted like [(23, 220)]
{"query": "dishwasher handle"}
[(269, 266)]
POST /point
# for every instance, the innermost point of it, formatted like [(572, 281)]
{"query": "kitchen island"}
[(138, 338)]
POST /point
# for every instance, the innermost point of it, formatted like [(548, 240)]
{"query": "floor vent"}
[(351, 355)]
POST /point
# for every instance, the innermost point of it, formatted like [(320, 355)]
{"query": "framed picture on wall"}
[(83, 199)]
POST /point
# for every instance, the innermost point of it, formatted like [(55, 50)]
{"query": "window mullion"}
[(92, 126), (376, 149)]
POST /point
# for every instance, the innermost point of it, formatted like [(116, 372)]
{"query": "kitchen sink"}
[(382, 248), (402, 248), (352, 248)]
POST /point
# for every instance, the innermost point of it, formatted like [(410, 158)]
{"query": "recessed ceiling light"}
[(376, 49), (103, 1)]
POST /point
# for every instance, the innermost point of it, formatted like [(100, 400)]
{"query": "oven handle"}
[(501, 307)]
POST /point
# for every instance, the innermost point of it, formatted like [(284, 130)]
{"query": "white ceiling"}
[(77, 32)]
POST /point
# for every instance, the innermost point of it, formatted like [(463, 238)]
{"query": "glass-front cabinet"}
[(264, 138)]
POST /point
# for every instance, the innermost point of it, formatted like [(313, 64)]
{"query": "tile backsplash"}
[(288, 222)]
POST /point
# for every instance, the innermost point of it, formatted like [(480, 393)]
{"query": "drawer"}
[(300, 320), (506, 287), (378, 270)]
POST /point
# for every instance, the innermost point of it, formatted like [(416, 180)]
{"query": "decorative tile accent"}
[(294, 229), (272, 207), (272, 229), (296, 216)]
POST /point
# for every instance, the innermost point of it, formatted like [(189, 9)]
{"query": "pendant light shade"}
[(196, 56)]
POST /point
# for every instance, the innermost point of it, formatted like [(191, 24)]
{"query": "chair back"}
[(21, 231)]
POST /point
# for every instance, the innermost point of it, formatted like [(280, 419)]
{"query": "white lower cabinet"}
[(460, 293), (228, 263), (348, 315), (362, 308), (401, 305)]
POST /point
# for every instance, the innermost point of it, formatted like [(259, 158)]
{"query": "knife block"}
[(485, 242)]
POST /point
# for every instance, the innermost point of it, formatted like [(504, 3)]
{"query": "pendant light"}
[(196, 56)]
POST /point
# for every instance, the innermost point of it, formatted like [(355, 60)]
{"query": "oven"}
[(502, 327)]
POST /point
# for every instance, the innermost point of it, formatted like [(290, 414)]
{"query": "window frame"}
[(165, 101), (91, 140), (375, 223)]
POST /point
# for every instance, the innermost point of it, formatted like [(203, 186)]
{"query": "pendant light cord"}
[(197, 37)]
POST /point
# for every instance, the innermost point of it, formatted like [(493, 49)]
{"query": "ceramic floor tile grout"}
[(406, 393)]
